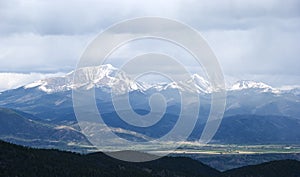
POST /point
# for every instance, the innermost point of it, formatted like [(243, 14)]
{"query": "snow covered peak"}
[(201, 84), (104, 76), (248, 84), (87, 78), (195, 84)]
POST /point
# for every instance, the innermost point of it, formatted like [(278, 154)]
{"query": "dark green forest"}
[(19, 161)]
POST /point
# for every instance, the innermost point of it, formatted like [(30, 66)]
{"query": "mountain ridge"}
[(103, 76), (14, 127)]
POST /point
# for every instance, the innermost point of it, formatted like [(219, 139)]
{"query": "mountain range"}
[(104, 76), (47, 105)]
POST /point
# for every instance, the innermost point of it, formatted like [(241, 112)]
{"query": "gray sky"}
[(252, 39)]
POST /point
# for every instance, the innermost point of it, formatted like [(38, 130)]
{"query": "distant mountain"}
[(248, 84), (51, 98), (100, 77), (50, 101), (104, 76), (253, 129), (21, 130), (248, 97), (238, 129), (26, 162)]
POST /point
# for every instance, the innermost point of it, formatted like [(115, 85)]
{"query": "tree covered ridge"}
[(19, 161)]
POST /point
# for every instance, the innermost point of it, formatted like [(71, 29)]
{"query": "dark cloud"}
[(249, 37)]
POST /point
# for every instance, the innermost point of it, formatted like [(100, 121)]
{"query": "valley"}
[(260, 123)]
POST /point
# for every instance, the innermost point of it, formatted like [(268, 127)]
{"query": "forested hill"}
[(27, 162)]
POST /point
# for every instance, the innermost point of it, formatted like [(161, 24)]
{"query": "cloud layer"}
[(15, 80), (250, 38)]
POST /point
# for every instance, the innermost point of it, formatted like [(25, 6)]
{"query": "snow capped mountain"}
[(51, 98), (247, 84), (196, 84), (201, 84), (104, 76), (88, 77), (295, 91), (292, 89)]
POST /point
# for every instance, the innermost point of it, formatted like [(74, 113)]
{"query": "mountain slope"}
[(18, 129), (281, 168), (254, 129)]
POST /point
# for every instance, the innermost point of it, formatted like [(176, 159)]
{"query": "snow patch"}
[(63, 127)]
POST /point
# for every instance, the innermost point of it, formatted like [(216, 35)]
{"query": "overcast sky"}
[(252, 39)]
